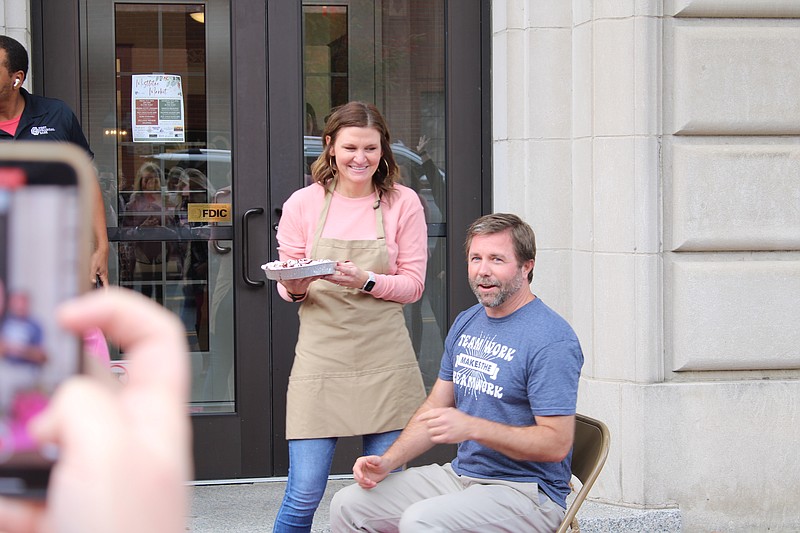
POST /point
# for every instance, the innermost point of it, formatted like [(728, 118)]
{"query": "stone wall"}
[(15, 22), (655, 148)]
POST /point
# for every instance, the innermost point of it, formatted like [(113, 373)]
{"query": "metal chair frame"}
[(589, 453)]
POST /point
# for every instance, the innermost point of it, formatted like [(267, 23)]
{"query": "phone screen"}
[(41, 258)]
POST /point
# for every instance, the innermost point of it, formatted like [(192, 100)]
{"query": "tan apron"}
[(355, 371)]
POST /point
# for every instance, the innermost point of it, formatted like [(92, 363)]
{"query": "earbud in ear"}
[(16, 82)]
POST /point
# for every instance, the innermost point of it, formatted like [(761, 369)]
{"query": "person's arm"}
[(415, 440), (550, 440), (408, 233), (293, 236), (35, 354), (407, 282), (296, 290), (431, 171), (99, 259), (124, 452), (98, 263)]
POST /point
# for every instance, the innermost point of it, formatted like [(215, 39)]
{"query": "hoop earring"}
[(332, 166), (385, 162)]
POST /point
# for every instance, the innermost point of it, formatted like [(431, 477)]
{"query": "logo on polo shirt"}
[(41, 130)]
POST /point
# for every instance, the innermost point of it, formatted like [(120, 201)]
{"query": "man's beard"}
[(506, 290)]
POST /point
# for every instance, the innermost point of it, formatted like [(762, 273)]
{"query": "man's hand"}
[(415, 439), (370, 470), (548, 440), (446, 425)]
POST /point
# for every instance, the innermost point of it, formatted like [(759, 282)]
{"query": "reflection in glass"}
[(150, 187), (325, 62), (391, 54)]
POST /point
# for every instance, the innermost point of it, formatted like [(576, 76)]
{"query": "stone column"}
[(15, 22), (655, 148)]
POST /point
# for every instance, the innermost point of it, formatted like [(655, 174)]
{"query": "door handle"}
[(220, 249), (218, 197), (246, 245)]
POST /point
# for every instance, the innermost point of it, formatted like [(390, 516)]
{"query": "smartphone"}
[(45, 214)]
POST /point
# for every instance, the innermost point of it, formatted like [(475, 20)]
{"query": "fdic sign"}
[(209, 212)]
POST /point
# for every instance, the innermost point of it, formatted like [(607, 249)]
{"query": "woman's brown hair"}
[(359, 115)]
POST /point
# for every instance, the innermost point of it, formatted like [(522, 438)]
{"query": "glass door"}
[(160, 128), (391, 53), (159, 111), (165, 168)]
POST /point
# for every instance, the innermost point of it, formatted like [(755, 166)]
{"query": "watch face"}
[(370, 282)]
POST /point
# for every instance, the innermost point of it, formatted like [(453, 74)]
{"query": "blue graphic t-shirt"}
[(509, 370), (19, 333)]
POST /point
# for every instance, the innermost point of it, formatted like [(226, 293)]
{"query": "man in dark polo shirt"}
[(25, 116)]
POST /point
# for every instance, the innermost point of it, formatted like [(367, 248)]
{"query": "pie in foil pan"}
[(298, 268)]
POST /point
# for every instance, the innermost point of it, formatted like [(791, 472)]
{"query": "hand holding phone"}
[(44, 251), (125, 454)]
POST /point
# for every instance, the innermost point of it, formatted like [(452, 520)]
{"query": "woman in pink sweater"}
[(355, 371)]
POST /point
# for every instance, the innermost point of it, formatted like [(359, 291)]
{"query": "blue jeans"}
[(309, 467)]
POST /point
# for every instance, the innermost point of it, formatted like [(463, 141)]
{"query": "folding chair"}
[(589, 452)]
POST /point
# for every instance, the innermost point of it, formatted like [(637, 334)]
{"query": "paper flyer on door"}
[(157, 108)]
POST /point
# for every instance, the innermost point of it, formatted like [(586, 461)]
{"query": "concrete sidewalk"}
[(250, 507)]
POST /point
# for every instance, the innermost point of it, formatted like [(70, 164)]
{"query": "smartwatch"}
[(370, 282)]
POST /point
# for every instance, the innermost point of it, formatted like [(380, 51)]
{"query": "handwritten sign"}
[(157, 108)]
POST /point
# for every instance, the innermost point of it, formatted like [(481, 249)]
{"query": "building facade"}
[(654, 146)]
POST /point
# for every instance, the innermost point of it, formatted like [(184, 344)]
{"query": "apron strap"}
[(379, 218), (323, 217)]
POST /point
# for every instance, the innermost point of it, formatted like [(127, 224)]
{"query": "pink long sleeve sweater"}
[(354, 218)]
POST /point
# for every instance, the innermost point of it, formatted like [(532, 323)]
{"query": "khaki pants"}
[(434, 498)]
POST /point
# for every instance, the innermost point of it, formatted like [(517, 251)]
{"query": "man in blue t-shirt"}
[(506, 394), (22, 353)]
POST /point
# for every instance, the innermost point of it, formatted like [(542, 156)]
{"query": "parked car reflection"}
[(419, 173)]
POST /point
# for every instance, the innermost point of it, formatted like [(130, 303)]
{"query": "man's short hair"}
[(521, 235), (16, 55)]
